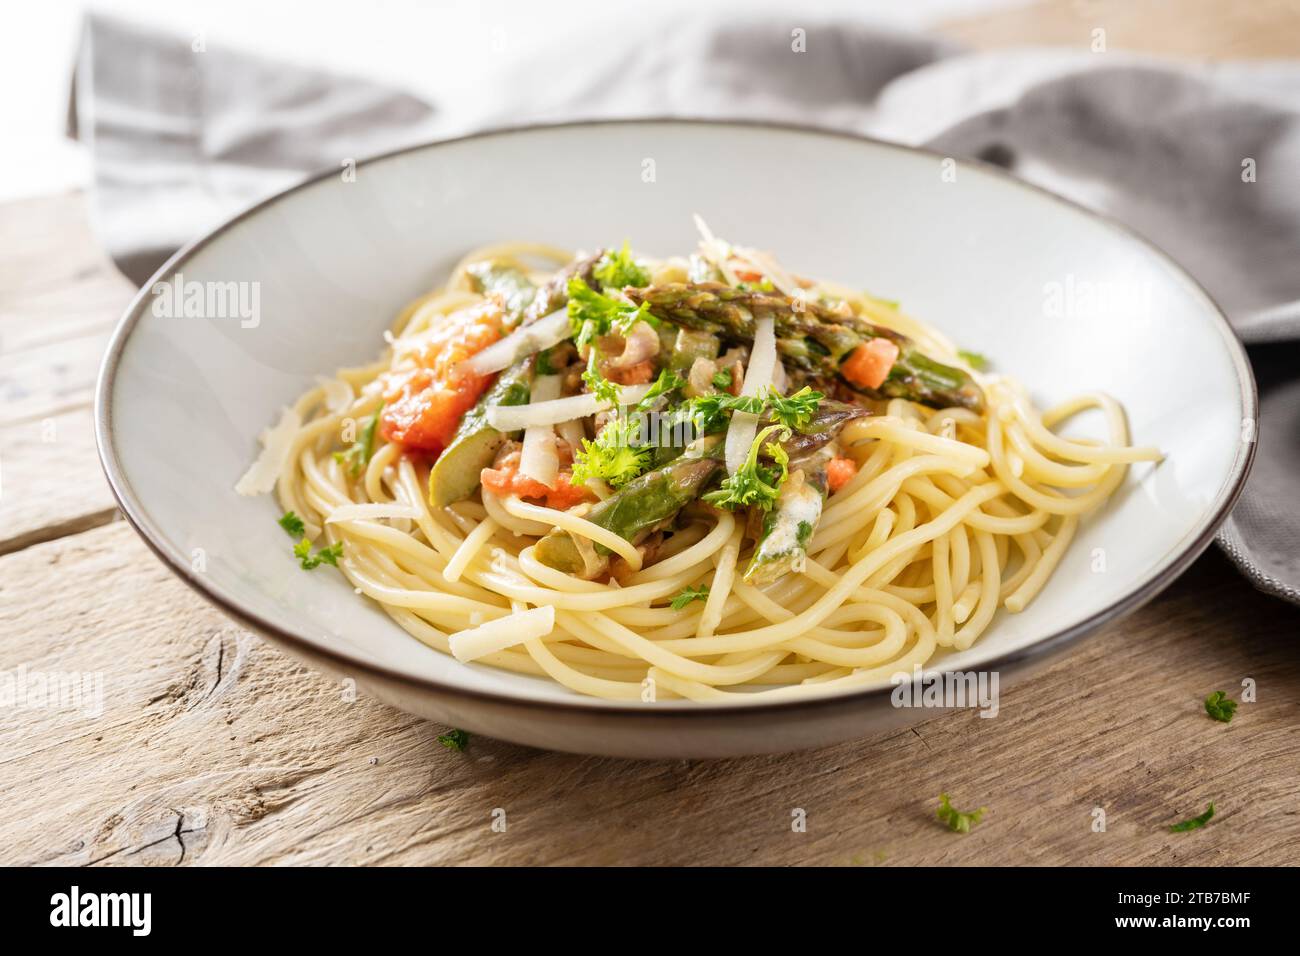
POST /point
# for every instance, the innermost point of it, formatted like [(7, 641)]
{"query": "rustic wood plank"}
[(59, 299), (213, 747), (51, 483)]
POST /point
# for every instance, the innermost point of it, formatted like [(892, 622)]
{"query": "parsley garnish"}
[(722, 378), (600, 386), (1195, 823), (618, 269), (688, 595), (357, 457), (620, 452), (794, 411), (1220, 706), (709, 412), (754, 484), (957, 821), (454, 740), (592, 314), (292, 524), (329, 555), (611, 457), (976, 361), (668, 381)]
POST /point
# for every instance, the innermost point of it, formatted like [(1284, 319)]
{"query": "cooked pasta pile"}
[(940, 515)]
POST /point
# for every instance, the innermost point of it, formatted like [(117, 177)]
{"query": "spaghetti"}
[(944, 503)]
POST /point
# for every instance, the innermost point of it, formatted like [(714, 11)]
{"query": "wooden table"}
[(213, 747)]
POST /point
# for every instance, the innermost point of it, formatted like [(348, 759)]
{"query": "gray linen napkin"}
[(182, 141)]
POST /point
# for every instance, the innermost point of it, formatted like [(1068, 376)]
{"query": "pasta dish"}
[(698, 477)]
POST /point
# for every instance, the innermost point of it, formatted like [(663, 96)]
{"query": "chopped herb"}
[(291, 523), (688, 595), (709, 412), (328, 555), (794, 411), (620, 452), (976, 361), (755, 484), (611, 457), (593, 314), (357, 457), (1195, 823), (454, 740), (668, 381), (618, 269), (722, 379), (598, 384), (1220, 706), (956, 820)]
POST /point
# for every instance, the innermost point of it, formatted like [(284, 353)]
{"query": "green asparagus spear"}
[(554, 293), (788, 526), (810, 337), (830, 417), (641, 506)]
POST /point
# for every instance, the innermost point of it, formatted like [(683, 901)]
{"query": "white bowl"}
[(1061, 298)]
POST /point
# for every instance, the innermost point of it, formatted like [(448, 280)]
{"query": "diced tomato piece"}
[(505, 480), (566, 494), (747, 275), (426, 403), (839, 472), (869, 365)]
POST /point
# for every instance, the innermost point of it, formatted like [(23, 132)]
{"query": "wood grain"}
[(213, 747), (59, 300)]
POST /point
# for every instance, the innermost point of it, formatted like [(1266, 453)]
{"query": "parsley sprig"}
[(621, 452), (454, 740), (294, 527), (756, 485), (358, 455), (292, 524), (1220, 706), (328, 555), (618, 269), (793, 412), (591, 315), (1195, 823), (689, 594), (955, 819)]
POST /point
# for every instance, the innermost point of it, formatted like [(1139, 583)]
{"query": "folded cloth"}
[(1199, 158)]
